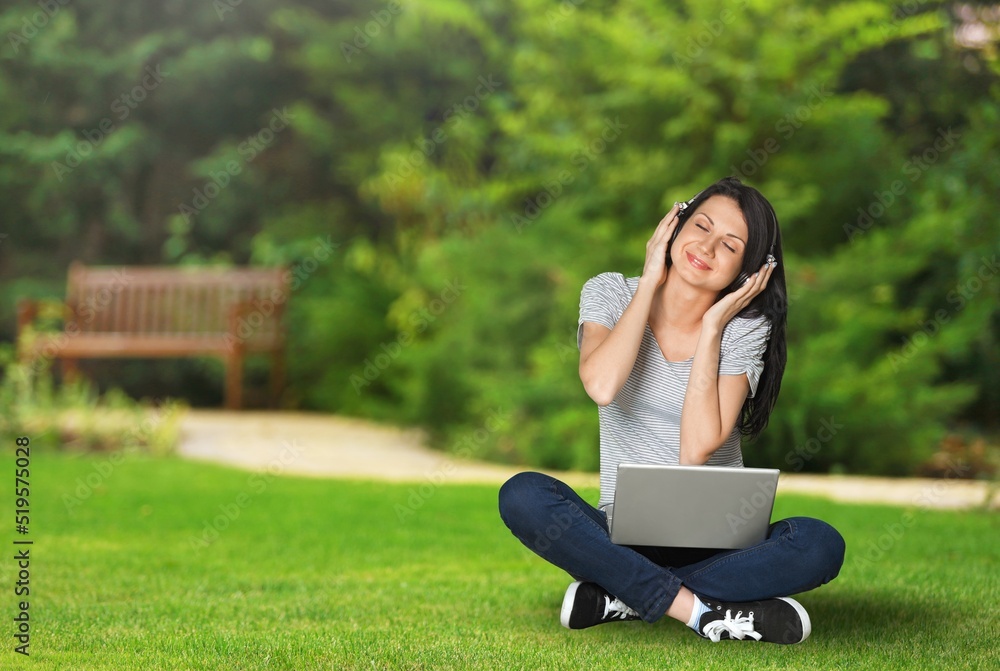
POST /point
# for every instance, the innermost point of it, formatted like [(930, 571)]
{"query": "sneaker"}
[(587, 604), (780, 620)]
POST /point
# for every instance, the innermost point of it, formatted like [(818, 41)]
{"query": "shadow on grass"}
[(839, 619), (879, 616)]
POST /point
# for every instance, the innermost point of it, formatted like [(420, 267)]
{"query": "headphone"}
[(742, 278)]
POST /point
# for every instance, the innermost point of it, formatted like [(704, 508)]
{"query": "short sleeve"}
[(743, 346), (603, 299)]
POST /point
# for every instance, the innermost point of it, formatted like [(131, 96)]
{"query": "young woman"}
[(681, 362)]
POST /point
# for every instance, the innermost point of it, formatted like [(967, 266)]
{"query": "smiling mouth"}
[(696, 262)]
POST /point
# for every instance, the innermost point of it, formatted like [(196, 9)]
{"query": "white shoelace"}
[(738, 627), (619, 609)]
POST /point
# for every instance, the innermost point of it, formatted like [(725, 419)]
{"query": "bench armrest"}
[(29, 310)]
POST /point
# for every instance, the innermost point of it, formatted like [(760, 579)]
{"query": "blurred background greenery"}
[(471, 164)]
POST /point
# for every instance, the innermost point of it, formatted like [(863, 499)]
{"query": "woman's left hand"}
[(731, 304)]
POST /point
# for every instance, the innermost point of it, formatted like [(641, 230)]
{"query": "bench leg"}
[(70, 370), (234, 381)]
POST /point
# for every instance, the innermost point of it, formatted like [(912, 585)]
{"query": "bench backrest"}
[(178, 300)]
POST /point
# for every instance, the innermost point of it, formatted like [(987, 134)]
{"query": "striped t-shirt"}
[(642, 425)]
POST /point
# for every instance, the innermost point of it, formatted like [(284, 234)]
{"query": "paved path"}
[(322, 445)]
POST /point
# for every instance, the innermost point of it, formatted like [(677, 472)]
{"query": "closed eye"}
[(705, 228)]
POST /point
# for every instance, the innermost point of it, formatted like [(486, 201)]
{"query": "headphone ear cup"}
[(741, 279)]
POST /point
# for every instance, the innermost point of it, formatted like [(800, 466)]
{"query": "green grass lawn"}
[(326, 574)]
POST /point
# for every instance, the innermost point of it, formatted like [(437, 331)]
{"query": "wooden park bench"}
[(164, 311)]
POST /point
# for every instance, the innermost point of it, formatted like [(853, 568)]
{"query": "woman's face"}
[(708, 251)]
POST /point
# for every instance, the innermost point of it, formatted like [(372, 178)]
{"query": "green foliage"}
[(549, 182), (476, 162), (73, 416)]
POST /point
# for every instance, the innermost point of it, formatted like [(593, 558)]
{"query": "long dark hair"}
[(772, 303)]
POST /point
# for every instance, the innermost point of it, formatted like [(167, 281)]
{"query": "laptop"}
[(715, 507)]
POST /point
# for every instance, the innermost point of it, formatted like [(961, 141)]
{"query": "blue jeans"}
[(799, 553)]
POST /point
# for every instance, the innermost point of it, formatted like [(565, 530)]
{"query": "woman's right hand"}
[(655, 270)]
